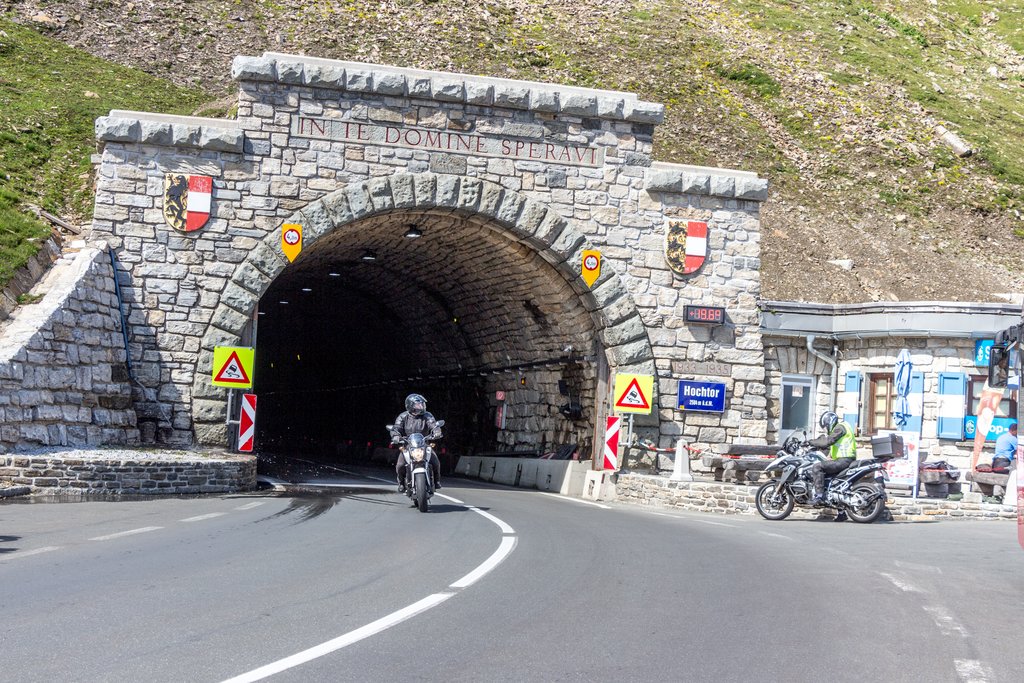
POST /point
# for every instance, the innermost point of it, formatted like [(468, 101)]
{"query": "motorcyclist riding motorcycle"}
[(416, 420), (839, 437)]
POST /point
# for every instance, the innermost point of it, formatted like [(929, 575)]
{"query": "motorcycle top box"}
[(889, 447)]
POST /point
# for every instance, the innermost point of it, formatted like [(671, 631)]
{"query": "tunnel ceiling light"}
[(261, 313), (413, 232), (282, 302), (334, 274), (368, 255), (306, 289)]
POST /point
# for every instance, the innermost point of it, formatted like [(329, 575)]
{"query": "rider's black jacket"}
[(826, 440), (407, 423)]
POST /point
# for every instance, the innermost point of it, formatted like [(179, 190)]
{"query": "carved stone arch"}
[(531, 222)]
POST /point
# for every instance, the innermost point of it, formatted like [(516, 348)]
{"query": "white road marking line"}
[(902, 584), (508, 543), (505, 528), (130, 532), (25, 553), (250, 506), (576, 500), (662, 514), (454, 500), (708, 521), (768, 533), (200, 518), (945, 621), (343, 640), (972, 671)]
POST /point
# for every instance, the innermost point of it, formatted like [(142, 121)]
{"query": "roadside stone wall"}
[(660, 492), (99, 474), (327, 143), (63, 379)]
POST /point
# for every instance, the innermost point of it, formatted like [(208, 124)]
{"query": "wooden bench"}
[(738, 469), (990, 483)]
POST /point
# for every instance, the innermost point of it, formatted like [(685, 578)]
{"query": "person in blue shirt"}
[(1006, 444)]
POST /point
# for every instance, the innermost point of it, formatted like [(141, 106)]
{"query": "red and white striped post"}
[(611, 443), (247, 423)]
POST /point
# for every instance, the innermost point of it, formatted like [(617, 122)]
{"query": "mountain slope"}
[(835, 101)]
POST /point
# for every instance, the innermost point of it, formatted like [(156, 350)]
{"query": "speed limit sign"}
[(591, 266)]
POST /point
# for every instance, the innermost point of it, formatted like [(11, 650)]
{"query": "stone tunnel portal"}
[(449, 306)]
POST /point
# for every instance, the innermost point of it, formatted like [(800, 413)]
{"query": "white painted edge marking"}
[(945, 621), (25, 553), (972, 671), (343, 640), (250, 506), (505, 528), (708, 521), (773, 535), (901, 583), (200, 518), (130, 532), (454, 500), (663, 514), (508, 544), (575, 500)]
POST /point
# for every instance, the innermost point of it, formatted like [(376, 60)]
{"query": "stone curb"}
[(443, 87), (11, 491)]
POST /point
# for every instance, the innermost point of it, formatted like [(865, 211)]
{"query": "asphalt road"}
[(494, 584)]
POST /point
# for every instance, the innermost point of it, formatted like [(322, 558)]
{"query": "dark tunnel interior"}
[(433, 303)]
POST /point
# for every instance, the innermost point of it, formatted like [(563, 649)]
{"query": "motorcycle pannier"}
[(887, 447)]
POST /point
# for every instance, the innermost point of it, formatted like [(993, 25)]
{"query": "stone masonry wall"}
[(63, 380), (108, 474), (186, 289)]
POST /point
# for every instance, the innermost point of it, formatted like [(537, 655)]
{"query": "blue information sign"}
[(998, 428), (982, 352), (708, 397)]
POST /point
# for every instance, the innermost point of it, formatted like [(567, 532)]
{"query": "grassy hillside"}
[(835, 101), (50, 95)]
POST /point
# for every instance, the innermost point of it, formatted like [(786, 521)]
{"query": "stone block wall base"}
[(145, 474)]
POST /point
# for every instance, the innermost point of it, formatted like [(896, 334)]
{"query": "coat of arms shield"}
[(686, 245), (187, 200)]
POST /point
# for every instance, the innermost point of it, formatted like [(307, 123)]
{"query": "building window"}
[(881, 402), (1007, 407), (797, 405)]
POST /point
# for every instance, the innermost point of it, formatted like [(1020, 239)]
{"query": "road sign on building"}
[(591, 266), (247, 423), (633, 393), (611, 442), (232, 366), (291, 240), (708, 397)]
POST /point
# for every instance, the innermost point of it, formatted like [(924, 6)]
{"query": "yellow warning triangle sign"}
[(232, 367), (633, 393)]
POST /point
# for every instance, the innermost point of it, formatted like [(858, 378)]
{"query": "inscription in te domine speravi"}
[(450, 142)]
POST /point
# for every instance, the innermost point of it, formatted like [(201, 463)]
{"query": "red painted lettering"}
[(360, 130), (462, 142), (413, 137), (432, 139), (480, 148), (534, 152), (564, 156), (506, 147), (549, 151), (391, 134), (519, 146)]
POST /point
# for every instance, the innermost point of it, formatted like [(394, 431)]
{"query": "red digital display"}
[(708, 315)]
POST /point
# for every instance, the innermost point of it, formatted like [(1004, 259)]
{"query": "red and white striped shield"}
[(611, 443), (686, 245), (247, 423), (187, 200)]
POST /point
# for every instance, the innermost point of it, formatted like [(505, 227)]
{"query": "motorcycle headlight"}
[(418, 454)]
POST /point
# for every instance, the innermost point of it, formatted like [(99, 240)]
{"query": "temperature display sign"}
[(706, 315)]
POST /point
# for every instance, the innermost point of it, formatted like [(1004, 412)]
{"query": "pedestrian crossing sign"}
[(633, 393), (232, 366)]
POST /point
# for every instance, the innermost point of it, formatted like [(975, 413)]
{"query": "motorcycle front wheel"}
[(868, 512), (420, 486), (771, 506)]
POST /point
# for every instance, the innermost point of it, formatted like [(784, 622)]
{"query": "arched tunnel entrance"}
[(451, 306)]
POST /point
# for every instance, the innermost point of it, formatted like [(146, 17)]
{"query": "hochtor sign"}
[(446, 141)]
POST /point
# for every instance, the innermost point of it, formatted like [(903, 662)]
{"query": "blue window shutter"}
[(916, 401), (952, 397), (849, 400)]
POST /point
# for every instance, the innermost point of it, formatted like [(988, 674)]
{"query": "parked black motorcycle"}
[(419, 480), (863, 501)]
